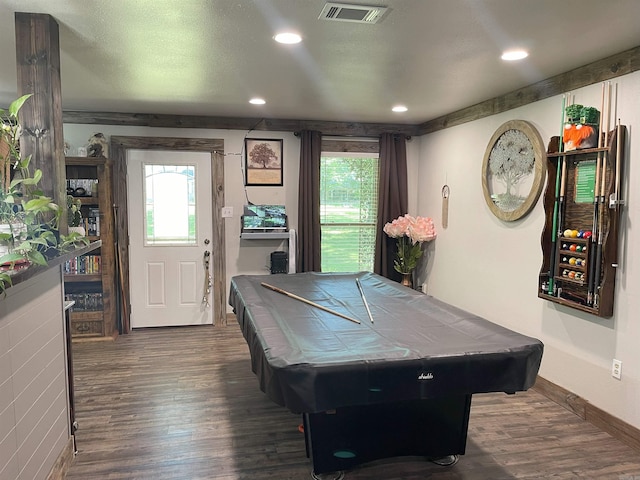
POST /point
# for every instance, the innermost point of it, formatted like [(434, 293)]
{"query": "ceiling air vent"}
[(343, 12)]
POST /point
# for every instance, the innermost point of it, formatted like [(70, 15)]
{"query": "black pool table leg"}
[(337, 475)]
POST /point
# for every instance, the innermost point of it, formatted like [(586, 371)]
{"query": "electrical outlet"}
[(227, 212), (616, 369)]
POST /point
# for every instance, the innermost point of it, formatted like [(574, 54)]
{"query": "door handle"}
[(207, 278)]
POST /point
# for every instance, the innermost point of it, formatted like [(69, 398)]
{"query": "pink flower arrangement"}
[(410, 232)]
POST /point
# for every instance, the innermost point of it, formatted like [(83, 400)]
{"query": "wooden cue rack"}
[(580, 289)]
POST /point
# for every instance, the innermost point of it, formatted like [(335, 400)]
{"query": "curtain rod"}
[(353, 139)]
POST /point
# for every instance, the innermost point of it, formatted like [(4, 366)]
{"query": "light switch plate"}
[(227, 212)]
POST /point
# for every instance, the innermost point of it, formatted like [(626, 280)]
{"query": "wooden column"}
[(38, 65)]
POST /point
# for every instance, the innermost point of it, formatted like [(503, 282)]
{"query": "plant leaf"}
[(36, 257), (5, 281), (16, 105), (11, 257)]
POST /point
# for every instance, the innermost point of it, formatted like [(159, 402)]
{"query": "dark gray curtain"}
[(392, 199), (309, 202)]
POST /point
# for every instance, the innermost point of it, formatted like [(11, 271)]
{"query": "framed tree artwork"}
[(263, 161), (513, 170)]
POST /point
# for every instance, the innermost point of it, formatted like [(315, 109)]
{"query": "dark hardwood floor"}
[(182, 403)]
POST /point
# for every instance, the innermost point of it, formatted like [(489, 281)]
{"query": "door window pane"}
[(170, 204)]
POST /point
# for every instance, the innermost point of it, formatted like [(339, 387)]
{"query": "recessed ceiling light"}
[(257, 101), (288, 38), (399, 109), (511, 55)]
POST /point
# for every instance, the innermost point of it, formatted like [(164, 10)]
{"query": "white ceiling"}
[(208, 57)]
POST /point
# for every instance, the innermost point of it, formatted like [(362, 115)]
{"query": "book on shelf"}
[(83, 265)]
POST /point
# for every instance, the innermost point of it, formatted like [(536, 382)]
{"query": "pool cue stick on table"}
[(308, 302), (364, 299)]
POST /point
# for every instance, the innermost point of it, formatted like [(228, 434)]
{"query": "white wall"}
[(491, 268)]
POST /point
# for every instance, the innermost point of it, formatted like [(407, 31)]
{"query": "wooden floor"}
[(182, 403)]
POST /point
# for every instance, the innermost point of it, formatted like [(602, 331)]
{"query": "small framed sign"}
[(263, 161), (585, 181)]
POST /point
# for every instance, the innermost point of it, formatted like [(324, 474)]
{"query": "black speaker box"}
[(279, 262)]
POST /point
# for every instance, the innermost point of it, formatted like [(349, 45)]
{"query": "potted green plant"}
[(28, 218)]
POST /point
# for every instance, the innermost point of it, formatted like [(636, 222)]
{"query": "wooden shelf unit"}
[(100, 320), (568, 291)]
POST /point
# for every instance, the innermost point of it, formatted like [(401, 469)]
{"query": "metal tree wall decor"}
[(513, 169)]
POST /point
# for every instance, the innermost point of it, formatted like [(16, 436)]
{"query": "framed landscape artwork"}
[(263, 161)]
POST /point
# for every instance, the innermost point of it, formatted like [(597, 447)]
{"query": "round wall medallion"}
[(513, 170)]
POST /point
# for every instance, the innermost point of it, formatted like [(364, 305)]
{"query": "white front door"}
[(170, 227)]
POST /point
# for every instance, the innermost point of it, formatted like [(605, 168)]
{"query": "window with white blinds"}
[(348, 211)]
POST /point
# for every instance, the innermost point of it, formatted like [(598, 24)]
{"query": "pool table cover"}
[(418, 347)]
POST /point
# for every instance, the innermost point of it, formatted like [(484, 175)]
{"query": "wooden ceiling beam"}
[(346, 129), (599, 71)]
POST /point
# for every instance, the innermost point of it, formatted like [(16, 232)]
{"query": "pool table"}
[(398, 385)]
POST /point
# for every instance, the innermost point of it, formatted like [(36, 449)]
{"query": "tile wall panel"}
[(34, 417)]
